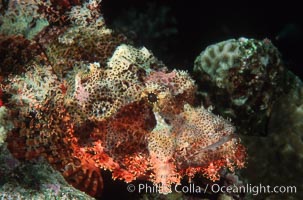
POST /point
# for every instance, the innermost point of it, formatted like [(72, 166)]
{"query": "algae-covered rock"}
[(246, 81), (277, 159), (35, 180), (242, 79)]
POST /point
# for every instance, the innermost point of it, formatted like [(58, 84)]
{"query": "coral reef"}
[(36, 180), (87, 101), (256, 87), (248, 74), (279, 160)]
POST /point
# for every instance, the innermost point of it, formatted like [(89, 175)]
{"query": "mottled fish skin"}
[(85, 109)]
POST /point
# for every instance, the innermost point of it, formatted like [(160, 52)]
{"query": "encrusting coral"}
[(90, 101), (249, 74), (281, 154), (264, 100)]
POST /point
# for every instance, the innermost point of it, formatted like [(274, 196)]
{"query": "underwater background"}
[(187, 27), (82, 102)]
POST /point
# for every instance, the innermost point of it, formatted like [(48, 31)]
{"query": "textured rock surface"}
[(242, 78), (277, 159), (246, 81), (35, 180)]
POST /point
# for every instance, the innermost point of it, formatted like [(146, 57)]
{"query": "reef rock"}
[(242, 79), (246, 80), (277, 158)]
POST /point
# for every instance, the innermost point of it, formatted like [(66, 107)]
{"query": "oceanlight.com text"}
[(212, 188)]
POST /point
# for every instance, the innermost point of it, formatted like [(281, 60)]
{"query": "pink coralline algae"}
[(122, 111)]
